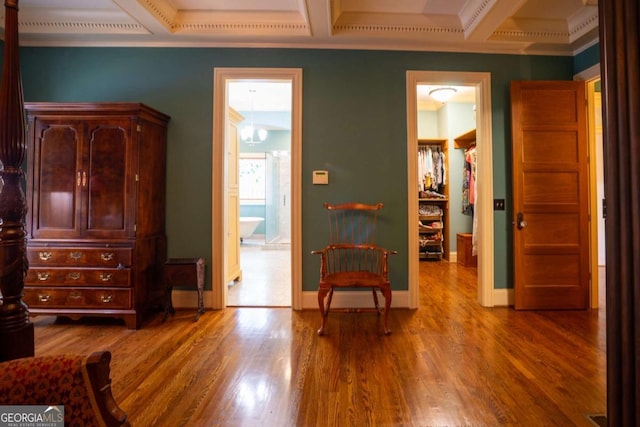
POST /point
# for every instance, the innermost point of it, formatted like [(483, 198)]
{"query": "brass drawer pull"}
[(106, 277), (74, 275), (106, 298), (75, 295), (44, 297), (43, 277), (45, 256), (75, 255), (107, 256)]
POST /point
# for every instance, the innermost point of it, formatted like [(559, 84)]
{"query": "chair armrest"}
[(97, 370), (323, 260)]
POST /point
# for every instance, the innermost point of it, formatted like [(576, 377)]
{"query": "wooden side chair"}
[(352, 259)]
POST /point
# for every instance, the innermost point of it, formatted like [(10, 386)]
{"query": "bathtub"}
[(248, 225)]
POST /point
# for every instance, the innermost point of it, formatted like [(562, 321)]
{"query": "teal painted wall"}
[(354, 126), (586, 59)]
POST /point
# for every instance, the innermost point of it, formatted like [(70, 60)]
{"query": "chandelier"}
[(250, 134)]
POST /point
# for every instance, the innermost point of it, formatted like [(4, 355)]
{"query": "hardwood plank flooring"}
[(449, 363)]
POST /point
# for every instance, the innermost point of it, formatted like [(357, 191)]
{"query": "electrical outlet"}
[(498, 204)]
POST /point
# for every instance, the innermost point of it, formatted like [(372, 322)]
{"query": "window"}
[(252, 170)]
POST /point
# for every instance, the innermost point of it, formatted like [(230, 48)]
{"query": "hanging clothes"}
[(467, 207), (469, 181), (431, 169), (471, 156), (469, 191)]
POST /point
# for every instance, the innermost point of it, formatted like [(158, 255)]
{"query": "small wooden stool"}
[(465, 250), (184, 272)]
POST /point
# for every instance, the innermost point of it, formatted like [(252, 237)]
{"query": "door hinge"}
[(138, 127), (135, 227), (137, 178), (604, 208)]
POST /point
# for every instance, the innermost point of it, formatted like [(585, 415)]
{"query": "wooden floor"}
[(449, 363)]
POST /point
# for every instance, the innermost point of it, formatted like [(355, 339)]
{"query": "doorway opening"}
[(256, 191), (447, 173), (483, 209), (596, 192), (264, 193)]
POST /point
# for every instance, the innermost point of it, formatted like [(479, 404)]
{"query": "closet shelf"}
[(465, 140)]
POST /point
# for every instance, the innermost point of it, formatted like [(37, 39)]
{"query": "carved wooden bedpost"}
[(16, 330)]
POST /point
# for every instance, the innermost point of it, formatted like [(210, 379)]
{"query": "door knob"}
[(520, 222)]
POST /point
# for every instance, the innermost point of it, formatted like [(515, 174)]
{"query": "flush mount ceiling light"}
[(442, 94)]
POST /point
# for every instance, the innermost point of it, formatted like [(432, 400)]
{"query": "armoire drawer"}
[(108, 257), (37, 276), (106, 298)]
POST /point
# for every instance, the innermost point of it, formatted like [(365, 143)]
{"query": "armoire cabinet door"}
[(82, 181), (57, 181), (108, 154)]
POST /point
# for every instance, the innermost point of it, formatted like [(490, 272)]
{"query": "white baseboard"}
[(355, 299), (503, 297), (345, 299)]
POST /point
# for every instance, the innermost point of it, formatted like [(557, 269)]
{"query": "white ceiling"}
[(559, 27)]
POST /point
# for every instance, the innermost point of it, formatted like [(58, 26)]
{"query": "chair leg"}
[(375, 300), (322, 294), (386, 292), (328, 307)]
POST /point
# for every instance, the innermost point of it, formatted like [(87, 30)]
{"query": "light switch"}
[(320, 177)]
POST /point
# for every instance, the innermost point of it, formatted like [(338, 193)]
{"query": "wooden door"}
[(55, 178), (232, 253), (550, 195), (108, 187)]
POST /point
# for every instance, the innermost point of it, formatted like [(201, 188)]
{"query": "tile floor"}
[(266, 275)]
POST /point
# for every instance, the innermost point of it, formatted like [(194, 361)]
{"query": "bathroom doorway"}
[(263, 106), (264, 149)]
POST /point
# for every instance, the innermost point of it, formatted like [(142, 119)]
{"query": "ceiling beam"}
[(156, 16), (481, 18)]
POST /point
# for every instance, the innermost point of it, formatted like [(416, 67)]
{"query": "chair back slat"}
[(352, 223), (354, 258)]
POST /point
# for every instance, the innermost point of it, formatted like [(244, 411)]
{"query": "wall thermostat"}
[(320, 177)]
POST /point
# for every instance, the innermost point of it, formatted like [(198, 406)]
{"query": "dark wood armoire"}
[(96, 240)]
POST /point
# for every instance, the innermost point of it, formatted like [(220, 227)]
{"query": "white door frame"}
[(484, 205), (221, 76)]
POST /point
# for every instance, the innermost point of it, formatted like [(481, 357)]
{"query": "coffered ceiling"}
[(559, 27)]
